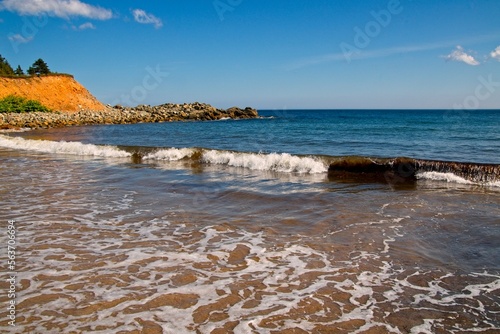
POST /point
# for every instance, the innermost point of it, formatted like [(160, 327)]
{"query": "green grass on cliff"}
[(17, 104), (26, 76)]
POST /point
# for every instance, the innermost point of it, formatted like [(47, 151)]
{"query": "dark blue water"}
[(422, 134)]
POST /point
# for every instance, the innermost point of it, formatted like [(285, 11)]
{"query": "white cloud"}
[(460, 55), (58, 8), (85, 26), (360, 53), (141, 16), (20, 39), (495, 54)]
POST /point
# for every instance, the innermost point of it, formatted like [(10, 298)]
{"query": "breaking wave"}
[(360, 169), (170, 154), (410, 170), (283, 162), (447, 177), (62, 147)]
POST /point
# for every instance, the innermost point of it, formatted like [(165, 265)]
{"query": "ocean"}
[(295, 222)]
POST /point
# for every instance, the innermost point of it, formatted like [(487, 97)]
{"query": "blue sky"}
[(268, 54)]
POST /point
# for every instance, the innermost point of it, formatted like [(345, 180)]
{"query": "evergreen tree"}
[(31, 71), (39, 67), (5, 68), (19, 71)]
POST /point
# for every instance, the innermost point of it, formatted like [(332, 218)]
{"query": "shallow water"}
[(109, 245), (238, 227)]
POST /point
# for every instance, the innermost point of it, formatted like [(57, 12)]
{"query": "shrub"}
[(17, 104)]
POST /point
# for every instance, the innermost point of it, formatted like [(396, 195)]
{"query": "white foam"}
[(494, 184), (62, 147), (448, 177), (279, 276), (452, 178), (283, 162), (170, 154), (15, 130), (425, 328)]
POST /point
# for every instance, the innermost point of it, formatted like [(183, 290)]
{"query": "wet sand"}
[(109, 246)]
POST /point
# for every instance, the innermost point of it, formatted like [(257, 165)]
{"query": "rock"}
[(251, 112), (124, 115)]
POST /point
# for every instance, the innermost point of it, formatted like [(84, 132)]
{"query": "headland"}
[(72, 104)]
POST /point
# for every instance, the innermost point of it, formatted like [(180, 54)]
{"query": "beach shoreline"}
[(169, 112), (214, 227)]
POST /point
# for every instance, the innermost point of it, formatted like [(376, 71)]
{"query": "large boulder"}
[(235, 112)]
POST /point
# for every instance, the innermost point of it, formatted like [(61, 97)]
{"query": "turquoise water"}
[(238, 226)]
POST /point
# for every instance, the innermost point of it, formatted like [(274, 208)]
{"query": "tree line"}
[(39, 67)]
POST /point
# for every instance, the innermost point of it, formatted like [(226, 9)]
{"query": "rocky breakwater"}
[(125, 115), (188, 111)]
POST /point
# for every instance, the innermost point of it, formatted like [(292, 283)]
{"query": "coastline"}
[(124, 115), (215, 240)]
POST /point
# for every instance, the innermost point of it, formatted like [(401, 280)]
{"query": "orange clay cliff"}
[(57, 92)]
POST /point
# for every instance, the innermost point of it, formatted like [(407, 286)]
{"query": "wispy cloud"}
[(84, 26), (57, 8), (20, 39), (495, 54), (359, 54), (142, 17), (461, 56), (363, 54)]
